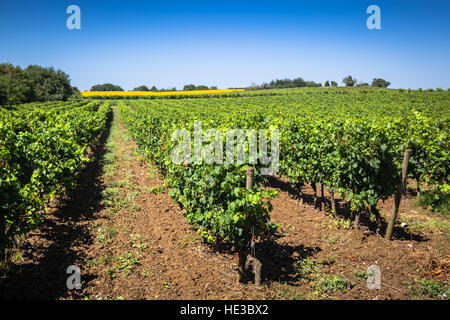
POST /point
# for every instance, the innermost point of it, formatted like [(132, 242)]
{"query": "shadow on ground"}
[(343, 210), (278, 260)]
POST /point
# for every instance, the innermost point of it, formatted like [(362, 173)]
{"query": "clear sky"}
[(230, 43)]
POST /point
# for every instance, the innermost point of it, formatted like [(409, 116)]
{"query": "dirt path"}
[(144, 249), (132, 242)]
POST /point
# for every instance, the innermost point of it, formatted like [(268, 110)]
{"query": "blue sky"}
[(230, 43)]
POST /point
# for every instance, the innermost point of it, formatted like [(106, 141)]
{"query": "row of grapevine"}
[(361, 158), (42, 146), (214, 196)]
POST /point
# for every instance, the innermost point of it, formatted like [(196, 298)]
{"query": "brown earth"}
[(131, 241)]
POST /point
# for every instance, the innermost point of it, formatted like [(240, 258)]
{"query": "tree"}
[(362, 84), (35, 83), (327, 83), (349, 81), (334, 84), (48, 84), (380, 83), (76, 93), (189, 87), (202, 87), (141, 88), (14, 88), (313, 84), (213, 88), (106, 87), (299, 82)]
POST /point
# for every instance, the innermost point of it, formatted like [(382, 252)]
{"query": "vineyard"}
[(42, 147), (355, 151), (339, 153)]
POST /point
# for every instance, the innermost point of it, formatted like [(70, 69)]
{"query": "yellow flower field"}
[(151, 93)]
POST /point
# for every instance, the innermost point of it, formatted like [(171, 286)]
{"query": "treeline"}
[(285, 83), (192, 87), (153, 89), (106, 87), (299, 83), (376, 82), (35, 83), (112, 87)]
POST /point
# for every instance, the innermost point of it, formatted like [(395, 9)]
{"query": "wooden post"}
[(299, 186), (322, 197), (374, 211), (333, 201), (314, 187), (3, 245), (256, 267), (241, 265), (357, 216), (398, 194), (242, 253), (418, 189), (250, 177)]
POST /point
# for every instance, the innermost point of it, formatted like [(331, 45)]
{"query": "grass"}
[(283, 292), (310, 270), (157, 190), (331, 283), (434, 225), (335, 239), (435, 201), (136, 243), (433, 289), (126, 262), (146, 272), (337, 222), (362, 275), (428, 288), (188, 239)]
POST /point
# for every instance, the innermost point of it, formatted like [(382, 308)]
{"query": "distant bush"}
[(106, 87), (436, 200), (349, 81), (76, 94), (380, 83), (193, 87), (141, 88)]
